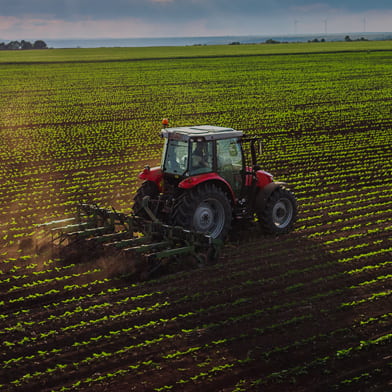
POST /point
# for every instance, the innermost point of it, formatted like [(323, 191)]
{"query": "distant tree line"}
[(23, 45), (346, 38)]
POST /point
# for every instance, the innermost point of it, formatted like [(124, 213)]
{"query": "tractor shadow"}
[(244, 231), (247, 239)]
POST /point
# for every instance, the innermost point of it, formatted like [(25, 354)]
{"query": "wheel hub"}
[(282, 213), (209, 218), (206, 217)]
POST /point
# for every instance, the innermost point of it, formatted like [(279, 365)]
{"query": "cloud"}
[(175, 9), (27, 28), (26, 19), (12, 28), (310, 8), (7, 22), (161, 1), (100, 9)]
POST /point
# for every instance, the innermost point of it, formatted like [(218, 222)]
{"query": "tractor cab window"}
[(175, 157), (201, 157), (229, 162)]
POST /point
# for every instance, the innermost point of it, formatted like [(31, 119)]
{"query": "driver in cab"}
[(200, 156)]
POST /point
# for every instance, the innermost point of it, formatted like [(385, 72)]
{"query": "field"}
[(308, 311)]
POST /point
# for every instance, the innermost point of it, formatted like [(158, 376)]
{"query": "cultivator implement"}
[(147, 242)]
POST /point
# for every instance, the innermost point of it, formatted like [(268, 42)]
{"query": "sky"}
[(54, 19)]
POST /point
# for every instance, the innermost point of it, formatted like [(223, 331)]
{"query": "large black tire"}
[(278, 214), (148, 188), (205, 209)]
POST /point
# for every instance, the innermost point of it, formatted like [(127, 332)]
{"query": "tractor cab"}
[(200, 150)]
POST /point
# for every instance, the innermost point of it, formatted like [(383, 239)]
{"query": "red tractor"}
[(184, 209), (209, 177)]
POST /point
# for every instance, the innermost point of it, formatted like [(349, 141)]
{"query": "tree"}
[(16, 45), (13, 45), (26, 45), (39, 45), (272, 41)]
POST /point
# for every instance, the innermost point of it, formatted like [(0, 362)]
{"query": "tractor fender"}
[(193, 181), (153, 174), (265, 193), (263, 178)]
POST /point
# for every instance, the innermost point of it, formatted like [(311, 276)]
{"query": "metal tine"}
[(127, 243), (54, 224), (92, 231), (112, 237), (103, 213), (148, 247), (72, 228)]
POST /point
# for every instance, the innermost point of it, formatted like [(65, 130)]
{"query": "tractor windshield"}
[(175, 156)]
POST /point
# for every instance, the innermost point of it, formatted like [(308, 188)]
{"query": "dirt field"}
[(307, 311)]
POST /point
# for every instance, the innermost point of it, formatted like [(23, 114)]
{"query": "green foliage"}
[(82, 123)]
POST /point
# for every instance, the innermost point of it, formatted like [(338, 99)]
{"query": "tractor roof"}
[(204, 132)]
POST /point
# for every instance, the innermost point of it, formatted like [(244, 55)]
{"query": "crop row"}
[(287, 309), (248, 284), (179, 354)]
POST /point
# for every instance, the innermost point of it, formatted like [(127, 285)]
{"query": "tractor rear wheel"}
[(205, 209), (279, 212), (148, 188)]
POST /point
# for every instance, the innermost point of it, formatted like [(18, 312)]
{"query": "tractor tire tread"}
[(148, 188), (265, 215)]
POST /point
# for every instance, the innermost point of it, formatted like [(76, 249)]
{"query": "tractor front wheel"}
[(205, 209), (278, 213)]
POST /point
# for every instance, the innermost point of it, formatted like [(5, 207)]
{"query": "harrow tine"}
[(72, 228), (54, 224), (147, 247), (110, 237), (89, 232), (127, 243)]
